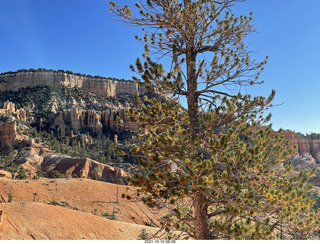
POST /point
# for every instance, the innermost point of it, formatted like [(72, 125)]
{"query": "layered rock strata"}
[(305, 147), (101, 86)]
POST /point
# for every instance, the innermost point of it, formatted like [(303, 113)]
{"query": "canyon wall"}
[(305, 147), (100, 86), (96, 121)]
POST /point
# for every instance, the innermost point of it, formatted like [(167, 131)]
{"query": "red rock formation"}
[(59, 121), (86, 140), (8, 133), (109, 119), (305, 147), (315, 149), (82, 167), (9, 108), (75, 118), (289, 135), (22, 114), (95, 121)]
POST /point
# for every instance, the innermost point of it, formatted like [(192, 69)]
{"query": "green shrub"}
[(111, 216), (144, 235), (54, 203), (21, 174), (55, 174), (39, 173), (10, 197)]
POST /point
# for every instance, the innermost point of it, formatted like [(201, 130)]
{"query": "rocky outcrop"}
[(22, 114), (82, 167), (300, 163), (101, 86), (8, 124), (86, 140), (8, 131), (96, 121), (5, 174), (9, 108), (59, 121), (38, 157), (305, 147)]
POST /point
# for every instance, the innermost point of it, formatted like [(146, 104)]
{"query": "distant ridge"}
[(63, 71), (107, 87)]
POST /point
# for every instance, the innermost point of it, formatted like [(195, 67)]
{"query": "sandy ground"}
[(38, 221), (83, 205)]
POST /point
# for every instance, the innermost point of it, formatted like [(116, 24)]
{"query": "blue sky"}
[(78, 35)]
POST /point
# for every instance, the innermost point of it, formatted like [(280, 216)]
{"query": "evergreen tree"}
[(21, 174), (13, 169), (213, 163), (7, 160)]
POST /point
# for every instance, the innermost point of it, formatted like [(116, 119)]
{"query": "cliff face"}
[(100, 86), (305, 147), (96, 121)]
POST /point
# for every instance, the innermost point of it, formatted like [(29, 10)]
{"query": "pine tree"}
[(213, 163), (21, 174)]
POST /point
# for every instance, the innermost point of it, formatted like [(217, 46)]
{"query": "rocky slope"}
[(36, 221), (36, 156), (71, 209), (94, 197)]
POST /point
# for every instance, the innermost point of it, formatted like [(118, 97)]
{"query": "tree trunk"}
[(200, 207), (201, 220), (192, 88)]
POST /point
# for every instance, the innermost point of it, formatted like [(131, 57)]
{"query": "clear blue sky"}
[(78, 35)]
